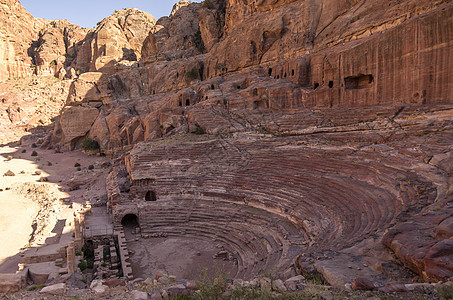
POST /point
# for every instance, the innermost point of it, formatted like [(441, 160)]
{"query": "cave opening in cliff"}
[(130, 221), (270, 72), (150, 196), (292, 72), (358, 82), (330, 84), (180, 103), (315, 85), (259, 104), (187, 102)]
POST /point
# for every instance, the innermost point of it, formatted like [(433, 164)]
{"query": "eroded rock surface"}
[(324, 126)]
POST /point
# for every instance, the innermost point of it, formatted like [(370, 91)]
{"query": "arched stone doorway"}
[(130, 220), (150, 196)]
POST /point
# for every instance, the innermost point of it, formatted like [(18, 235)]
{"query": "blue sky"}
[(87, 13)]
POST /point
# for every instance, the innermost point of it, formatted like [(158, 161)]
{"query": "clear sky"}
[(87, 13)]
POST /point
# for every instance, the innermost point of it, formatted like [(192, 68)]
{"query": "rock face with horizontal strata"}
[(365, 91)]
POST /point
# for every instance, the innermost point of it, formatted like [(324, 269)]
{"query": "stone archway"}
[(150, 196), (130, 220)]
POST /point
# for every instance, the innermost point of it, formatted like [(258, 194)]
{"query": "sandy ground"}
[(17, 212), (185, 258)]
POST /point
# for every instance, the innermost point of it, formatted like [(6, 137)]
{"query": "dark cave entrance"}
[(130, 221), (150, 196)]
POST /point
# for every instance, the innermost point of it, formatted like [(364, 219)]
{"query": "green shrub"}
[(36, 287), (90, 167), (445, 291), (89, 144), (82, 265), (212, 287), (34, 153), (76, 165)]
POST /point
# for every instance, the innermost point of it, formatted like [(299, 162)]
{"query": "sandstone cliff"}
[(174, 87), (56, 47), (117, 37), (18, 29), (349, 72)]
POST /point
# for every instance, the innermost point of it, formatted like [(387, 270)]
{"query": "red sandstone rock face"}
[(416, 245), (175, 37), (360, 82), (117, 37), (259, 33), (56, 47), (17, 30)]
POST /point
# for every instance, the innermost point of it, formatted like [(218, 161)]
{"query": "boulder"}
[(279, 286), (10, 283), (438, 262), (9, 173), (155, 295), (114, 282), (191, 285), (428, 255), (74, 123), (88, 87), (95, 283), (178, 289), (291, 283), (362, 284), (100, 290), (58, 289), (139, 295), (266, 284)]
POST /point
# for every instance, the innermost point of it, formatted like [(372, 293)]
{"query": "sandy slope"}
[(17, 211)]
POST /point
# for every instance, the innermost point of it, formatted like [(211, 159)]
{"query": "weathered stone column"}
[(71, 258)]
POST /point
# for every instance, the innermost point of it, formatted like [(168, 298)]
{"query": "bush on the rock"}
[(89, 144)]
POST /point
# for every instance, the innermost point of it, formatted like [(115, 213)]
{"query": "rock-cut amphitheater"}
[(287, 136)]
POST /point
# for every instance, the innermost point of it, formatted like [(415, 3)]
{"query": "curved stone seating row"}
[(258, 198), (257, 243)]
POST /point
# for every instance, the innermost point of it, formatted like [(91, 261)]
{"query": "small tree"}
[(89, 144)]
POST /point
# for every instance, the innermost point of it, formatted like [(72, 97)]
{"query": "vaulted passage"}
[(130, 221)]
